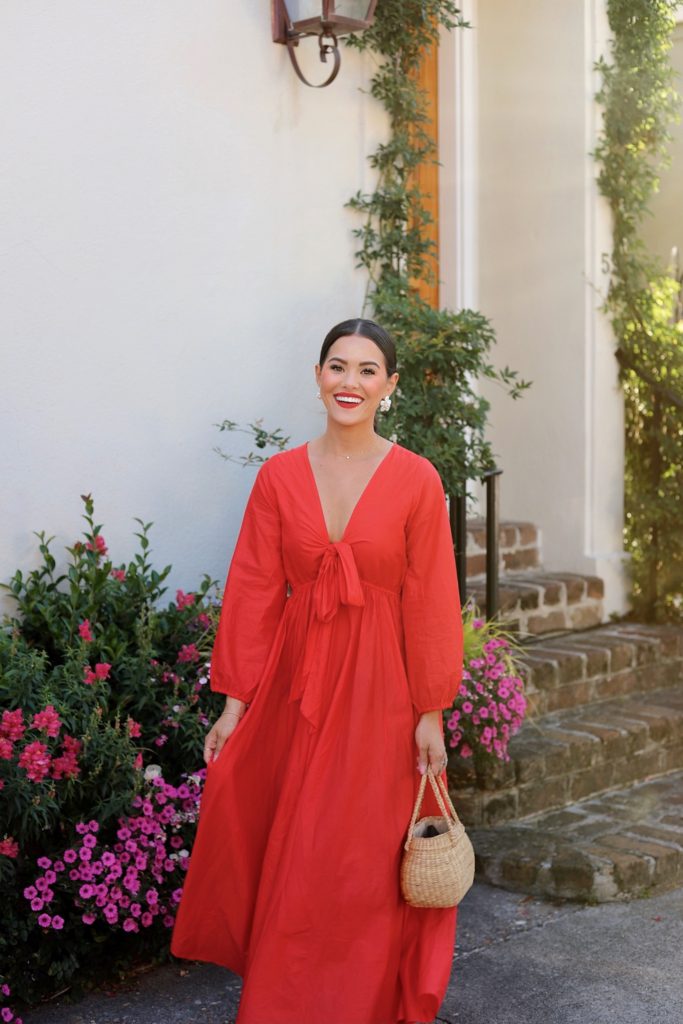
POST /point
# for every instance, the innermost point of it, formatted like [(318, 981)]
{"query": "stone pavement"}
[(518, 960)]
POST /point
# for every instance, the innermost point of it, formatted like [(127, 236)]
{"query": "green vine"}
[(643, 300), (441, 353)]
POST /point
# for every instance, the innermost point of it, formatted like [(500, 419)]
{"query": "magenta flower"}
[(47, 720), (84, 631), (35, 760), (184, 600), (188, 652), (119, 574), (99, 547), (12, 725)]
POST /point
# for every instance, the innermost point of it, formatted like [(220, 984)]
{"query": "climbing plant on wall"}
[(436, 409), (640, 103)]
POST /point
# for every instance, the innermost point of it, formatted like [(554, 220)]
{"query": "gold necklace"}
[(340, 455)]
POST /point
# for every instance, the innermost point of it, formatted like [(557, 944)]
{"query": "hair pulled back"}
[(366, 329)]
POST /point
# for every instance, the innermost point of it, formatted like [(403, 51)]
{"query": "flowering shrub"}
[(133, 883), (104, 705), (490, 706), (6, 1013)]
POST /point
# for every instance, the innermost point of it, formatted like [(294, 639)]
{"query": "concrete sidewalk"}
[(518, 960)]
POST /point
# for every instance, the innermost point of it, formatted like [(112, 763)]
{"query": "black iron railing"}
[(458, 507)]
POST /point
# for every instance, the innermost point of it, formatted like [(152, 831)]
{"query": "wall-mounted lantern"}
[(327, 19)]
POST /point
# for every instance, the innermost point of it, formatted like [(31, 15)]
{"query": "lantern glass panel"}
[(356, 9), (304, 10)]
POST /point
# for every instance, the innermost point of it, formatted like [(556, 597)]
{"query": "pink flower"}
[(57, 922), (9, 847), (84, 631), (119, 574), (188, 652), (48, 720), (99, 546), (203, 620), (6, 749), (134, 728), (101, 671), (88, 918), (465, 750), (65, 766), (137, 763), (12, 725), (44, 920), (467, 707), (35, 760), (184, 600)]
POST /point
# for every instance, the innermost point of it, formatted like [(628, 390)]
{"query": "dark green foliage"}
[(151, 705), (640, 103), (437, 410)]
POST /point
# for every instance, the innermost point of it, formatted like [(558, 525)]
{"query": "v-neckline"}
[(321, 510)]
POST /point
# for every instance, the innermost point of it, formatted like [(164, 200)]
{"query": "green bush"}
[(100, 684)]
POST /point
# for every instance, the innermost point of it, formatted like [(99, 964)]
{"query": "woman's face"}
[(354, 367)]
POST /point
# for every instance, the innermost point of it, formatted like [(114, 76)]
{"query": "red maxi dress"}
[(337, 648)]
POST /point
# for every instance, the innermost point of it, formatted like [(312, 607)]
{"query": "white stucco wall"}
[(541, 230), (173, 248)]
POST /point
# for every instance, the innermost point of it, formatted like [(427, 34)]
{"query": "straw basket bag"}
[(437, 869)]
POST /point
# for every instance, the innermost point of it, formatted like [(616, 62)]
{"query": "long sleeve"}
[(254, 596), (430, 600)]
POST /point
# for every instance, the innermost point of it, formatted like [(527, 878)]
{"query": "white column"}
[(604, 404)]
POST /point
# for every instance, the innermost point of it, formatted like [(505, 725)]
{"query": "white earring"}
[(385, 404), (318, 395)]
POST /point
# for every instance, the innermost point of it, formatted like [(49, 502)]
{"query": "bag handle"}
[(437, 793)]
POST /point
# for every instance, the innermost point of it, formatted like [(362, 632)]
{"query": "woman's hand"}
[(221, 730), (430, 743)]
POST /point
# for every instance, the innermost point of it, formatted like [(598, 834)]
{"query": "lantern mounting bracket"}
[(326, 27)]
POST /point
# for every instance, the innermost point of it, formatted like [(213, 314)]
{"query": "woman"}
[(333, 707)]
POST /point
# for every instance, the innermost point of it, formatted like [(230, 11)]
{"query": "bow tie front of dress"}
[(337, 583)]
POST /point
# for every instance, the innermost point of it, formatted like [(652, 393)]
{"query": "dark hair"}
[(366, 329)]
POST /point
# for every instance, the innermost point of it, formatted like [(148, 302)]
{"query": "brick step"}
[(569, 755), (568, 671), (541, 601), (626, 843), (519, 545)]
